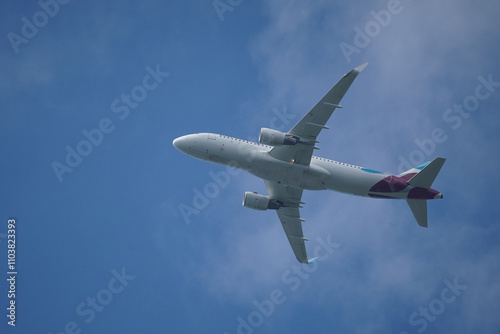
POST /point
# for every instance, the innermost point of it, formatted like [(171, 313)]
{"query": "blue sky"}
[(102, 244)]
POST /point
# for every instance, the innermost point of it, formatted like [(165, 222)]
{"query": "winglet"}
[(360, 67), (353, 74), (311, 261)]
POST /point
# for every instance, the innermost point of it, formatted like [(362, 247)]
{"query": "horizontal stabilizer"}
[(426, 176), (311, 261), (419, 209)]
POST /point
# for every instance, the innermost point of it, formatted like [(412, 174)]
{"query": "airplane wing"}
[(289, 216), (309, 127)]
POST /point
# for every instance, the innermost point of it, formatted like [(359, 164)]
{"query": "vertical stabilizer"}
[(425, 177), (419, 209)]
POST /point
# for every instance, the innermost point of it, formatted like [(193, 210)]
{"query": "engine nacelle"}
[(276, 138), (257, 201)]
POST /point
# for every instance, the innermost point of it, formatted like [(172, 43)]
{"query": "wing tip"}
[(360, 67)]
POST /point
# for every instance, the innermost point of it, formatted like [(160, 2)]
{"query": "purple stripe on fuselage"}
[(394, 184), (390, 184), (422, 193)]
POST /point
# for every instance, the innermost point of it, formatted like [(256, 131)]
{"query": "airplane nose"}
[(440, 195), (180, 143)]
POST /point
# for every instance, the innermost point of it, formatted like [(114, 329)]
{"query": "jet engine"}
[(276, 138), (257, 201)]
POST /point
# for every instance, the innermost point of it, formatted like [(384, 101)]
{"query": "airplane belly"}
[(287, 173), (314, 178)]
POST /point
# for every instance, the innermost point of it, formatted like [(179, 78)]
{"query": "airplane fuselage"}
[(320, 174), (285, 161)]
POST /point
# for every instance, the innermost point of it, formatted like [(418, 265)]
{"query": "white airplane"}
[(286, 163)]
